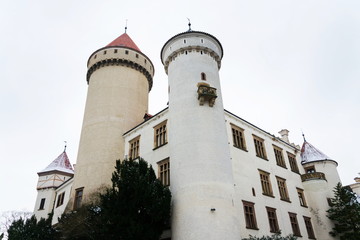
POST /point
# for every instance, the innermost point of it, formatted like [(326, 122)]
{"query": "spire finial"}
[(303, 136), (126, 25), (189, 24), (65, 146)]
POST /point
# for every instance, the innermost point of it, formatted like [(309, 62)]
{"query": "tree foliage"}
[(31, 229), (137, 206), (276, 236), (345, 212)]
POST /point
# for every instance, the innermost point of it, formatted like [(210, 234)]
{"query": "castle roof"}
[(124, 41), (61, 163), (309, 153)]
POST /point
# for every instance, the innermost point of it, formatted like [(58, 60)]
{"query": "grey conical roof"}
[(61, 163), (309, 153)]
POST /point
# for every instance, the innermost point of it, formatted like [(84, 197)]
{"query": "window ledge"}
[(268, 195), (282, 166), (304, 206), (159, 146), (244, 149), (254, 228), (285, 200), (264, 158)]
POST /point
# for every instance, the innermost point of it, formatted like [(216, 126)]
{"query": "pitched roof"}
[(61, 163), (124, 41), (309, 153)]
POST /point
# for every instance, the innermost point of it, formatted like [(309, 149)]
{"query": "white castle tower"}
[(54, 175), (202, 183), (319, 180), (119, 78)]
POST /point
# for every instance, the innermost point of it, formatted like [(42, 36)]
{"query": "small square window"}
[(115, 50), (126, 52)]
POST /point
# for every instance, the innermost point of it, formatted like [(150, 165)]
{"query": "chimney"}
[(284, 135)]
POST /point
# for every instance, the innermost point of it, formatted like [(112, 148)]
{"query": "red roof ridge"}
[(124, 41)]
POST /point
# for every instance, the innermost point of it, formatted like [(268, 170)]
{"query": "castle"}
[(228, 177)]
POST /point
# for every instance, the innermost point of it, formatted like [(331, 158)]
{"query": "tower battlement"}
[(121, 56), (190, 42)]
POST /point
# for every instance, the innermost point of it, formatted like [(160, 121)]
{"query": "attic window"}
[(104, 52), (126, 52), (184, 40), (95, 56), (137, 55), (202, 40), (145, 60), (115, 50), (203, 76), (310, 169)]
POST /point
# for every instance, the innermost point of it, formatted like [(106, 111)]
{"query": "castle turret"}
[(119, 79), (54, 175), (202, 184), (319, 180)]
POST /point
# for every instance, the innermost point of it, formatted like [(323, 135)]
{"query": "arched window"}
[(203, 76)]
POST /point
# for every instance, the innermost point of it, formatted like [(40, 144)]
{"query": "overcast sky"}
[(287, 64)]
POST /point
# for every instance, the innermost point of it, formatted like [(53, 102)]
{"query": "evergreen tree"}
[(136, 207), (276, 236), (345, 212), (31, 229)]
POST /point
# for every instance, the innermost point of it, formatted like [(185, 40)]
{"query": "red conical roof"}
[(124, 41), (61, 163), (309, 153)]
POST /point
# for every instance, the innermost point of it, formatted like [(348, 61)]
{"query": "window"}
[(309, 228), (265, 183), (134, 148), (126, 52), (273, 222), (238, 137), (184, 41), (104, 52), (282, 189), (95, 56), (115, 50), (160, 134), (259, 147), (279, 157), (137, 55), (42, 204), (202, 40), (249, 212), (203, 76), (293, 164), (164, 172), (60, 199), (78, 198), (301, 196), (294, 224)]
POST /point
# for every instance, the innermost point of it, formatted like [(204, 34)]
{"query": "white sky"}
[(287, 64)]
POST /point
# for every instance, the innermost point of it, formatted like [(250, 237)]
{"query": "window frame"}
[(279, 156), (301, 197), (265, 183), (42, 204), (79, 193), (164, 171), (273, 221), (238, 137), (293, 164), (250, 215), (134, 148), (260, 150), (283, 191), (309, 227), (160, 135), (60, 199), (294, 224)]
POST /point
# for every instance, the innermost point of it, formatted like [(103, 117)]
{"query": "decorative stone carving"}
[(206, 94)]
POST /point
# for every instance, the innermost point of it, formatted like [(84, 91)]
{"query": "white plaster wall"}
[(202, 176), (58, 211), (49, 195), (54, 179)]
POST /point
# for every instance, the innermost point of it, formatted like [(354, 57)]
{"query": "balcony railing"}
[(313, 176), (206, 94)]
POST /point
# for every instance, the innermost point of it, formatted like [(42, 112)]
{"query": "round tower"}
[(319, 180), (202, 184), (119, 79)]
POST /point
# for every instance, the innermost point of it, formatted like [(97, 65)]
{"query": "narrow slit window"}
[(203, 76)]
